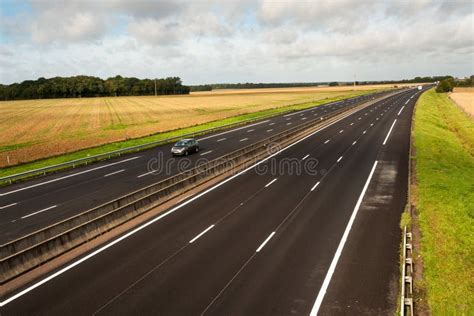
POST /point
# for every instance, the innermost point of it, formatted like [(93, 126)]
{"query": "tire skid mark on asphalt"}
[(332, 267)]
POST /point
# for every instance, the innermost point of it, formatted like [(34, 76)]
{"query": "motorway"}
[(31, 205), (322, 238)]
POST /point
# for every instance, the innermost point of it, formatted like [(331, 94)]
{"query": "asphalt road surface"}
[(272, 240), (29, 206)]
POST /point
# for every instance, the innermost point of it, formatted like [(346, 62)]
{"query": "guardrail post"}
[(402, 295), (409, 262), (407, 275), (409, 302), (409, 280)]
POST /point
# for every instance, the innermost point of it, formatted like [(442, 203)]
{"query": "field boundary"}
[(470, 115), (117, 153)]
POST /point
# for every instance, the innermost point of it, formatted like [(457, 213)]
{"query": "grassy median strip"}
[(444, 198), (160, 136)]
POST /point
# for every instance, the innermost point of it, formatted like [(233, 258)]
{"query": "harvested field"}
[(303, 89), (34, 129), (464, 98)]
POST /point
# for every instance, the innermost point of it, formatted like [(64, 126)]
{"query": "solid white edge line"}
[(40, 211), (202, 233), (389, 131), (264, 243), (314, 186), (400, 110), (305, 157), (68, 176), (332, 267), (6, 206), (270, 183), (174, 209), (115, 172), (233, 130)]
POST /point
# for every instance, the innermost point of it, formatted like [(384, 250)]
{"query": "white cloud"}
[(333, 15), (69, 28), (176, 30), (216, 41)]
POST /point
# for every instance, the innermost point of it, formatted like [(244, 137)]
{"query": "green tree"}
[(445, 85)]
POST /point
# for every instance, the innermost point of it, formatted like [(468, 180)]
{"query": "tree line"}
[(249, 85), (87, 86), (414, 80)]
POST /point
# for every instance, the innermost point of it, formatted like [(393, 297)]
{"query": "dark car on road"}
[(185, 147)]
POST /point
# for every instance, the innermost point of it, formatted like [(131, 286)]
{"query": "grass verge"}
[(444, 199), (165, 135)]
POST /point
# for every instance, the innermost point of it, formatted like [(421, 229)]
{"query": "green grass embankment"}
[(444, 198)]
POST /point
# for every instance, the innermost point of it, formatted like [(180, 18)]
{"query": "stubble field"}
[(464, 98), (34, 129)]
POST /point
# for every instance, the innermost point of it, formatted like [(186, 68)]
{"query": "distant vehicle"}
[(420, 88), (185, 147)]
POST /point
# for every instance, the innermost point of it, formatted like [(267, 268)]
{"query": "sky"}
[(236, 41)]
